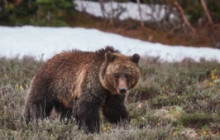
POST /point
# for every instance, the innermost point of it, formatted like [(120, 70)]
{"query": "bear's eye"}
[(117, 76), (127, 76), (128, 79)]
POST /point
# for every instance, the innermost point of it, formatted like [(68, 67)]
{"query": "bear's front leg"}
[(114, 109), (87, 114)]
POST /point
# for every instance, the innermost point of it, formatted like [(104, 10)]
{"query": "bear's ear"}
[(109, 57), (135, 58)]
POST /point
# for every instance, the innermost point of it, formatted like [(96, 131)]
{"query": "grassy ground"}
[(173, 101)]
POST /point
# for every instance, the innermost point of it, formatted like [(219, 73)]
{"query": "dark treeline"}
[(16, 12), (193, 8), (40, 10)]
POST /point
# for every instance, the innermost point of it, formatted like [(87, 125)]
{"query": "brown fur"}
[(79, 83)]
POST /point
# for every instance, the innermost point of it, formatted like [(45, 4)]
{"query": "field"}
[(173, 101)]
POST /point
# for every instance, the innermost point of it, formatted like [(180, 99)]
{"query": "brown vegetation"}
[(205, 34)]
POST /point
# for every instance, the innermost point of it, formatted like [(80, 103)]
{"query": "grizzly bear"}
[(78, 84)]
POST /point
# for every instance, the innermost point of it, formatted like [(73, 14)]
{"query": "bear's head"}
[(119, 73)]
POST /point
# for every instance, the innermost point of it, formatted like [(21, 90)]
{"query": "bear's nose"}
[(122, 90)]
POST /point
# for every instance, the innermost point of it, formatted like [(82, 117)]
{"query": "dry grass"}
[(173, 101)]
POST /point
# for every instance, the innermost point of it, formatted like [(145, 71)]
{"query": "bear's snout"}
[(123, 90), (122, 85)]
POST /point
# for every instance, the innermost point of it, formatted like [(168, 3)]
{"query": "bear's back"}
[(63, 75)]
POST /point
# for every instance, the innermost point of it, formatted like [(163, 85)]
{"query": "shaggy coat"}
[(78, 84)]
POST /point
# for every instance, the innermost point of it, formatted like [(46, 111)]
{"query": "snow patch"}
[(48, 41)]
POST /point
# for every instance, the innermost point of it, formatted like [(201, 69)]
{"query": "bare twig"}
[(206, 11), (102, 8), (174, 28), (6, 3), (112, 13), (140, 13), (184, 16)]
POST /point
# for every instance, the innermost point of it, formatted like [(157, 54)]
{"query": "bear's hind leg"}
[(37, 109)]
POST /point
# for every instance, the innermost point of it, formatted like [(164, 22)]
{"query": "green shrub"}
[(196, 119), (54, 9), (36, 12)]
